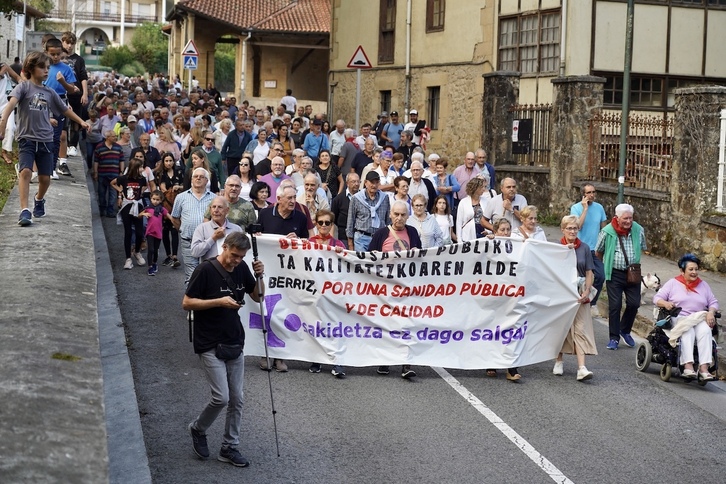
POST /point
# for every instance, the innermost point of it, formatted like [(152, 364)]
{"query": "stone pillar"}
[(694, 176), (501, 92), (576, 100)]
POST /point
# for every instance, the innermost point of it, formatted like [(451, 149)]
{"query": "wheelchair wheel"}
[(643, 355), (666, 371)]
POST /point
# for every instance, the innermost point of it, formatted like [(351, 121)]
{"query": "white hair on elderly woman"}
[(624, 208)]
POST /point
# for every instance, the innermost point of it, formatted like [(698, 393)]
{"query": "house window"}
[(386, 40), (530, 43), (433, 103), (385, 101), (435, 15), (645, 92)]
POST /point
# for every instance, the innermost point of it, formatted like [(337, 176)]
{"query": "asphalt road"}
[(622, 426)]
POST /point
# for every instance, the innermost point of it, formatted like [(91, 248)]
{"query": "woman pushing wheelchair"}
[(697, 317)]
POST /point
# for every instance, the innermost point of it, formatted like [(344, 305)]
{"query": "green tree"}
[(117, 57), (224, 60), (150, 47)]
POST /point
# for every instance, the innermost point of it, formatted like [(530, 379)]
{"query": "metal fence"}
[(539, 154), (649, 151)]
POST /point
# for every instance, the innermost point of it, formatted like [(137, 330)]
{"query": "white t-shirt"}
[(495, 210)]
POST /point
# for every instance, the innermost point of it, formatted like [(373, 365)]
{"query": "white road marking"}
[(504, 428)]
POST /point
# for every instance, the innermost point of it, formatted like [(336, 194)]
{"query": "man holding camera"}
[(215, 293)]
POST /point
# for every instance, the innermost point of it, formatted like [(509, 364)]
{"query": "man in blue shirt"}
[(316, 140), (392, 131), (591, 218)]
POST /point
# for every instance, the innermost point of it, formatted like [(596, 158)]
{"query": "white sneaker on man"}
[(54, 176), (128, 264), (72, 151)]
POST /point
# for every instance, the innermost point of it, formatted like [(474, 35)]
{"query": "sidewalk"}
[(68, 401)]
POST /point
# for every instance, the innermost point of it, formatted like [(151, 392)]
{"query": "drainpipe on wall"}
[(721, 162), (563, 37), (123, 21), (407, 93), (243, 75)]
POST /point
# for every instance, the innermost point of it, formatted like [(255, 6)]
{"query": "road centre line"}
[(504, 428)]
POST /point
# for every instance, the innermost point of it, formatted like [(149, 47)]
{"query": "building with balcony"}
[(102, 23)]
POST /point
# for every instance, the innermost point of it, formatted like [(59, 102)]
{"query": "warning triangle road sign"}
[(190, 48), (359, 60)]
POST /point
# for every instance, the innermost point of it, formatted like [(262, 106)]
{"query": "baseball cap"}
[(384, 114), (124, 111), (317, 122), (413, 111), (394, 113), (373, 176), (131, 119)]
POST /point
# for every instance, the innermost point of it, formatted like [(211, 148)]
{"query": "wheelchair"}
[(657, 349)]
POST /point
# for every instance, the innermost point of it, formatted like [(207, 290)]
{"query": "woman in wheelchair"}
[(692, 295)]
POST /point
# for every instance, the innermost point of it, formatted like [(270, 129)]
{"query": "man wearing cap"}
[(124, 121), (415, 126), (365, 133), (316, 140), (378, 126), (392, 131), (369, 211)]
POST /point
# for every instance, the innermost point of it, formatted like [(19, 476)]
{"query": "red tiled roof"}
[(308, 16)]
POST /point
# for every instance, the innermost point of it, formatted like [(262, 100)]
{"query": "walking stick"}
[(264, 338)]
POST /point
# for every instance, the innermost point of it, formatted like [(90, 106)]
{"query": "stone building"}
[(281, 44), (430, 55), (11, 30)]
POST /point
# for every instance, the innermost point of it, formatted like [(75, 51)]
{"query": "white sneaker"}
[(583, 374), (72, 151), (139, 259), (558, 369), (54, 176), (594, 311), (128, 264), (34, 177)]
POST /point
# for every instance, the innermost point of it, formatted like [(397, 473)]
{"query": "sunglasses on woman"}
[(325, 222)]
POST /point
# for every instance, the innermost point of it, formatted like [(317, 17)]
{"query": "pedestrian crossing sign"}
[(190, 62)]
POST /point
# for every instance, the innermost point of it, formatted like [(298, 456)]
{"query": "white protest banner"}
[(489, 303)]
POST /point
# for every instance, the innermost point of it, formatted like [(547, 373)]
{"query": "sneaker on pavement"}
[(558, 369), (407, 372), (383, 370), (156, 268), (17, 169), (72, 151), (25, 218), (139, 258), (338, 372), (151, 271), (583, 374), (628, 340), (54, 175), (232, 455), (280, 366), (594, 311), (34, 177), (613, 344), (199, 442), (175, 263), (63, 169), (314, 368), (39, 209), (167, 262), (128, 264)]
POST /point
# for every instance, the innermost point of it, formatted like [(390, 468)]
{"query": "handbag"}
[(227, 352), (633, 275)]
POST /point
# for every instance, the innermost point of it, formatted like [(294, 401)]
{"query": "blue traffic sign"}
[(190, 62)]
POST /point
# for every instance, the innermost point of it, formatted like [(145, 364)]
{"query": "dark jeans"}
[(170, 238), (131, 223), (152, 249), (616, 286), (106, 195), (599, 273), (57, 131)]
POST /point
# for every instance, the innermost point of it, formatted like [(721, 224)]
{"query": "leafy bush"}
[(224, 60), (117, 57), (133, 68), (150, 47)]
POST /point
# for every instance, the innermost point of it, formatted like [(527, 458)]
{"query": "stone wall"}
[(460, 104), (532, 182)]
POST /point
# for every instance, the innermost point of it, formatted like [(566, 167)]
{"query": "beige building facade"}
[(445, 47)]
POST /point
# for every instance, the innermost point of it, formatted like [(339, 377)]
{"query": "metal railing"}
[(649, 151), (539, 154), (101, 17)]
